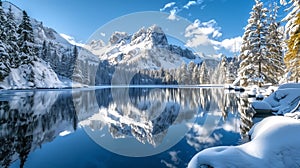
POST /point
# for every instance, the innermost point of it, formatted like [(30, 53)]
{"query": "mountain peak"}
[(147, 48), (119, 37), (153, 35)]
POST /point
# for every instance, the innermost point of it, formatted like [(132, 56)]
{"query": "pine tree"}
[(195, 75), (4, 65), (222, 69), (231, 73), (182, 74), (11, 39), (3, 20), (274, 68), (73, 60), (63, 68), (43, 51), (47, 52), (55, 61), (26, 40), (292, 31), (190, 70), (204, 76), (253, 46)]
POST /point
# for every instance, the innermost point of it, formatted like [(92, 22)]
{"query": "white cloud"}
[(283, 2), (190, 3), (198, 40), (172, 15), (102, 34), (174, 9), (204, 35), (199, 33), (233, 44), (202, 7), (168, 5)]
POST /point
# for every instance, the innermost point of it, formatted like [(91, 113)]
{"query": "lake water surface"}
[(116, 127)]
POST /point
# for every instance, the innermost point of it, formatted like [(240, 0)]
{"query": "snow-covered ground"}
[(36, 75), (284, 100), (275, 143), (274, 140)]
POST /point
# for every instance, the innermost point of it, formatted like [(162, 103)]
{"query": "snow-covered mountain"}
[(51, 55), (41, 32), (148, 48)]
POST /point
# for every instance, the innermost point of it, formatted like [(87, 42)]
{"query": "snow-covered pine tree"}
[(292, 32), (221, 71), (182, 74), (86, 72), (47, 52), (196, 75), (199, 74), (26, 40), (3, 20), (78, 72), (55, 61), (72, 61), (253, 46), (63, 68), (43, 51), (11, 39), (4, 65), (274, 67), (204, 76), (190, 69), (232, 68)]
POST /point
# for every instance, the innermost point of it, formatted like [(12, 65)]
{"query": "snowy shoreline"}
[(274, 140)]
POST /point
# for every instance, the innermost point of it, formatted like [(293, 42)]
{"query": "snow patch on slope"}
[(38, 75), (71, 40)]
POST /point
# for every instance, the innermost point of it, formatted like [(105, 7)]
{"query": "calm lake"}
[(113, 127)]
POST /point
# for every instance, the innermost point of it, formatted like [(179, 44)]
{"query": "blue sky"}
[(81, 18)]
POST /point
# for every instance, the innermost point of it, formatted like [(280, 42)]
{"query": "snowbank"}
[(275, 143), (284, 100)]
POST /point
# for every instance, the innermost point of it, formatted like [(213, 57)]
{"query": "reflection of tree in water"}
[(217, 109), (30, 119), (246, 114)]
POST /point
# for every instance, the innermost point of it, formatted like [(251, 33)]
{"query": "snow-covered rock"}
[(262, 106), (285, 100), (274, 143)]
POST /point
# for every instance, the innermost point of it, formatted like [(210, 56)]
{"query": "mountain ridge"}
[(147, 48)]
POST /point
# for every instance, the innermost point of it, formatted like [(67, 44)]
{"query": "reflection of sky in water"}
[(57, 142)]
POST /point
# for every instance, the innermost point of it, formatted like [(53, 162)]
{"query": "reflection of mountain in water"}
[(145, 114), (29, 119)]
